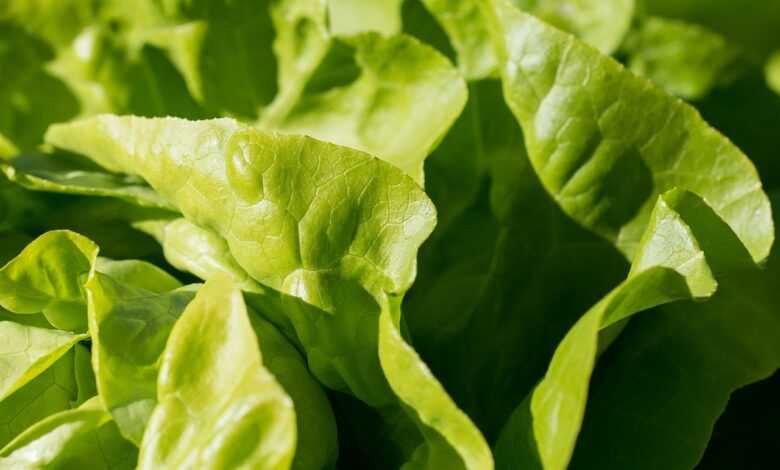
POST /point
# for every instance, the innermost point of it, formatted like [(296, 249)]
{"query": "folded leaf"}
[(214, 410), (47, 276), (679, 365), (317, 446), (451, 440), (605, 143), (597, 22), (53, 174), (339, 247), (27, 351), (205, 254), (466, 27), (137, 273), (505, 274), (129, 326), (324, 240), (401, 100), (669, 266), (127, 363), (197, 250), (81, 438)]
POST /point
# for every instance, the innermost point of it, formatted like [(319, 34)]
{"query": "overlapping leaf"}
[(606, 143), (81, 438), (327, 259), (229, 412)]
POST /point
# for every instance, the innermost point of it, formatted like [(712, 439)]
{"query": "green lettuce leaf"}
[(199, 251), (205, 254), (348, 17), (606, 143), (47, 277), (215, 411), (317, 445), (129, 326), (773, 72), (466, 27), (40, 172), (306, 232), (752, 27), (221, 49), (400, 102), (328, 261), (138, 274), (602, 24), (505, 274), (669, 265), (681, 364), (27, 351), (58, 388), (127, 364), (81, 438), (30, 97), (684, 59)]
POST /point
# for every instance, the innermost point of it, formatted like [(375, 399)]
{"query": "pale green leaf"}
[(397, 99), (129, 326), (216, 411), (466, 27), (357, 16), (600, 23), (605, 143), (27, 351), (47, 277), (684, 59), (328, 262), (74, 439), (205, 254), (138, 273), (199, 251)]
